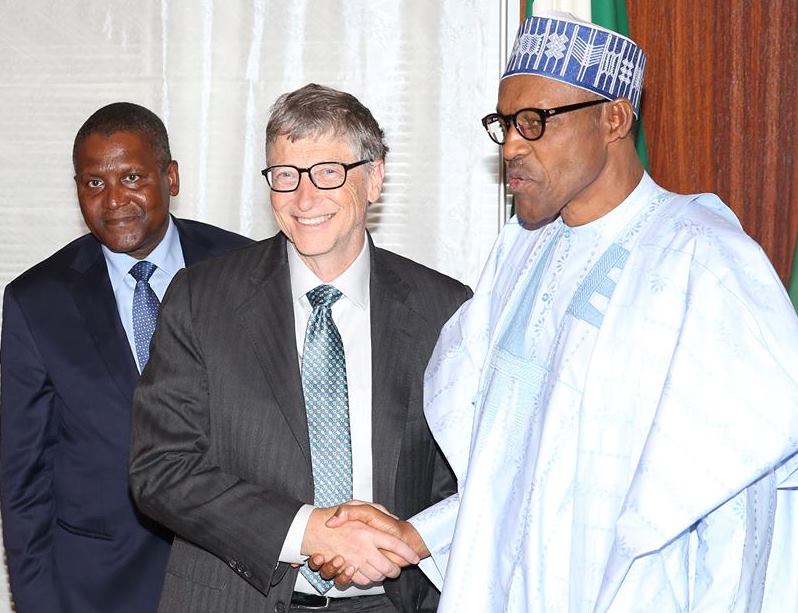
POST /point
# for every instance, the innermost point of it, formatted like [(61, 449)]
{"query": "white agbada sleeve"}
[(436, 527), (451, 382), (781, 588), (724, 426)]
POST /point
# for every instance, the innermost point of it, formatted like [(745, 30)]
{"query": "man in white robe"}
[(619, 400)]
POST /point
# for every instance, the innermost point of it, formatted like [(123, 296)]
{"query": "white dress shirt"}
[(352, 315), (167, 256)]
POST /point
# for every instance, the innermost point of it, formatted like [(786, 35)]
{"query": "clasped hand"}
[(360, 543)]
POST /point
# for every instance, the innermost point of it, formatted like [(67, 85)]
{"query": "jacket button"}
[(279, 607)]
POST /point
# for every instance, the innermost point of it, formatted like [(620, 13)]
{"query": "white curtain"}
[(211, 68), (579, 8)]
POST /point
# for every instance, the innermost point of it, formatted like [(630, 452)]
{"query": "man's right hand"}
[(371, 554)]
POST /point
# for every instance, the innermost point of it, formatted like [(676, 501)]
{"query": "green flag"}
[(610, 14), (794, 279)]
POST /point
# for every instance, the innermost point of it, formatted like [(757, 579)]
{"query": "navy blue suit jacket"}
[(74, 540)]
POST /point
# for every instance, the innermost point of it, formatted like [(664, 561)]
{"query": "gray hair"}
[(314, 110)]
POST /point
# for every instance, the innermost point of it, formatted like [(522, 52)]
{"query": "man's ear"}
[(376, 178), (620, 118), (173, 175)]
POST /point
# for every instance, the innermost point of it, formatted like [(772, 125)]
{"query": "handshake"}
[(361, 543)]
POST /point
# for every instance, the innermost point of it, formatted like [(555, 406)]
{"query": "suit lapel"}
[(91, 290), (95, 299), (268, 316), (393, 327)]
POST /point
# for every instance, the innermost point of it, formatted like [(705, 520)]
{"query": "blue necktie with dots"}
[(327, 408), (145, 309)]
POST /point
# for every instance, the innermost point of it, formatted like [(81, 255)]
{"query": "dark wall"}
[(720, 108)]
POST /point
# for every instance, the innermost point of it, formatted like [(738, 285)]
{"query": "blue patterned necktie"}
[(145, 309), (327, 408)]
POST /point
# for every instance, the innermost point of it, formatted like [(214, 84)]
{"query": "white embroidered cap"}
[(559, 46)]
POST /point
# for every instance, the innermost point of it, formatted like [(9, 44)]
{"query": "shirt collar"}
[(167, 256), (352, 283)]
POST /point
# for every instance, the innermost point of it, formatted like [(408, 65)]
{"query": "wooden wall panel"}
[(720, 107)]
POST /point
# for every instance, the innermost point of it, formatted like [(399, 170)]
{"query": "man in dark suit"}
[(286, 379), (71, 354)]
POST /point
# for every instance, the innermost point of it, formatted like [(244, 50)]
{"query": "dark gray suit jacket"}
[(220, 450)]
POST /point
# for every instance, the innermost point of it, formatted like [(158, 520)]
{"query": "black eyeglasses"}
[(324, 175), (530, 123)]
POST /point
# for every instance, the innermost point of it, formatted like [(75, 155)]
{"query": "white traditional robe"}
[(619, 402)]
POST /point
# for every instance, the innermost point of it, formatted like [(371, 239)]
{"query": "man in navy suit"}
[(71, 356)]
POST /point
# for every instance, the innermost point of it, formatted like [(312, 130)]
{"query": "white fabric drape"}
[(211, 69), (579, 8)]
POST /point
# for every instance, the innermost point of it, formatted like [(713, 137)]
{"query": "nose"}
[(307, 194), (114, 196), (515, 146)]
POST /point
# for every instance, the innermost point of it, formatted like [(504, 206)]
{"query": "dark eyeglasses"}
[(324, 175), (530, 123)]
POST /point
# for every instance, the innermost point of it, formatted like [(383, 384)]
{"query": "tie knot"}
[(142, 271), (323, 296)]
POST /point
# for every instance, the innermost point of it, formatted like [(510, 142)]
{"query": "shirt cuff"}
[(292, 546)]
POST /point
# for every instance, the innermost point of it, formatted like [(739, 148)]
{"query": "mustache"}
[(515, 170)]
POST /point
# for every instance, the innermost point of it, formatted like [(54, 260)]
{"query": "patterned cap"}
[(561, 47)]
